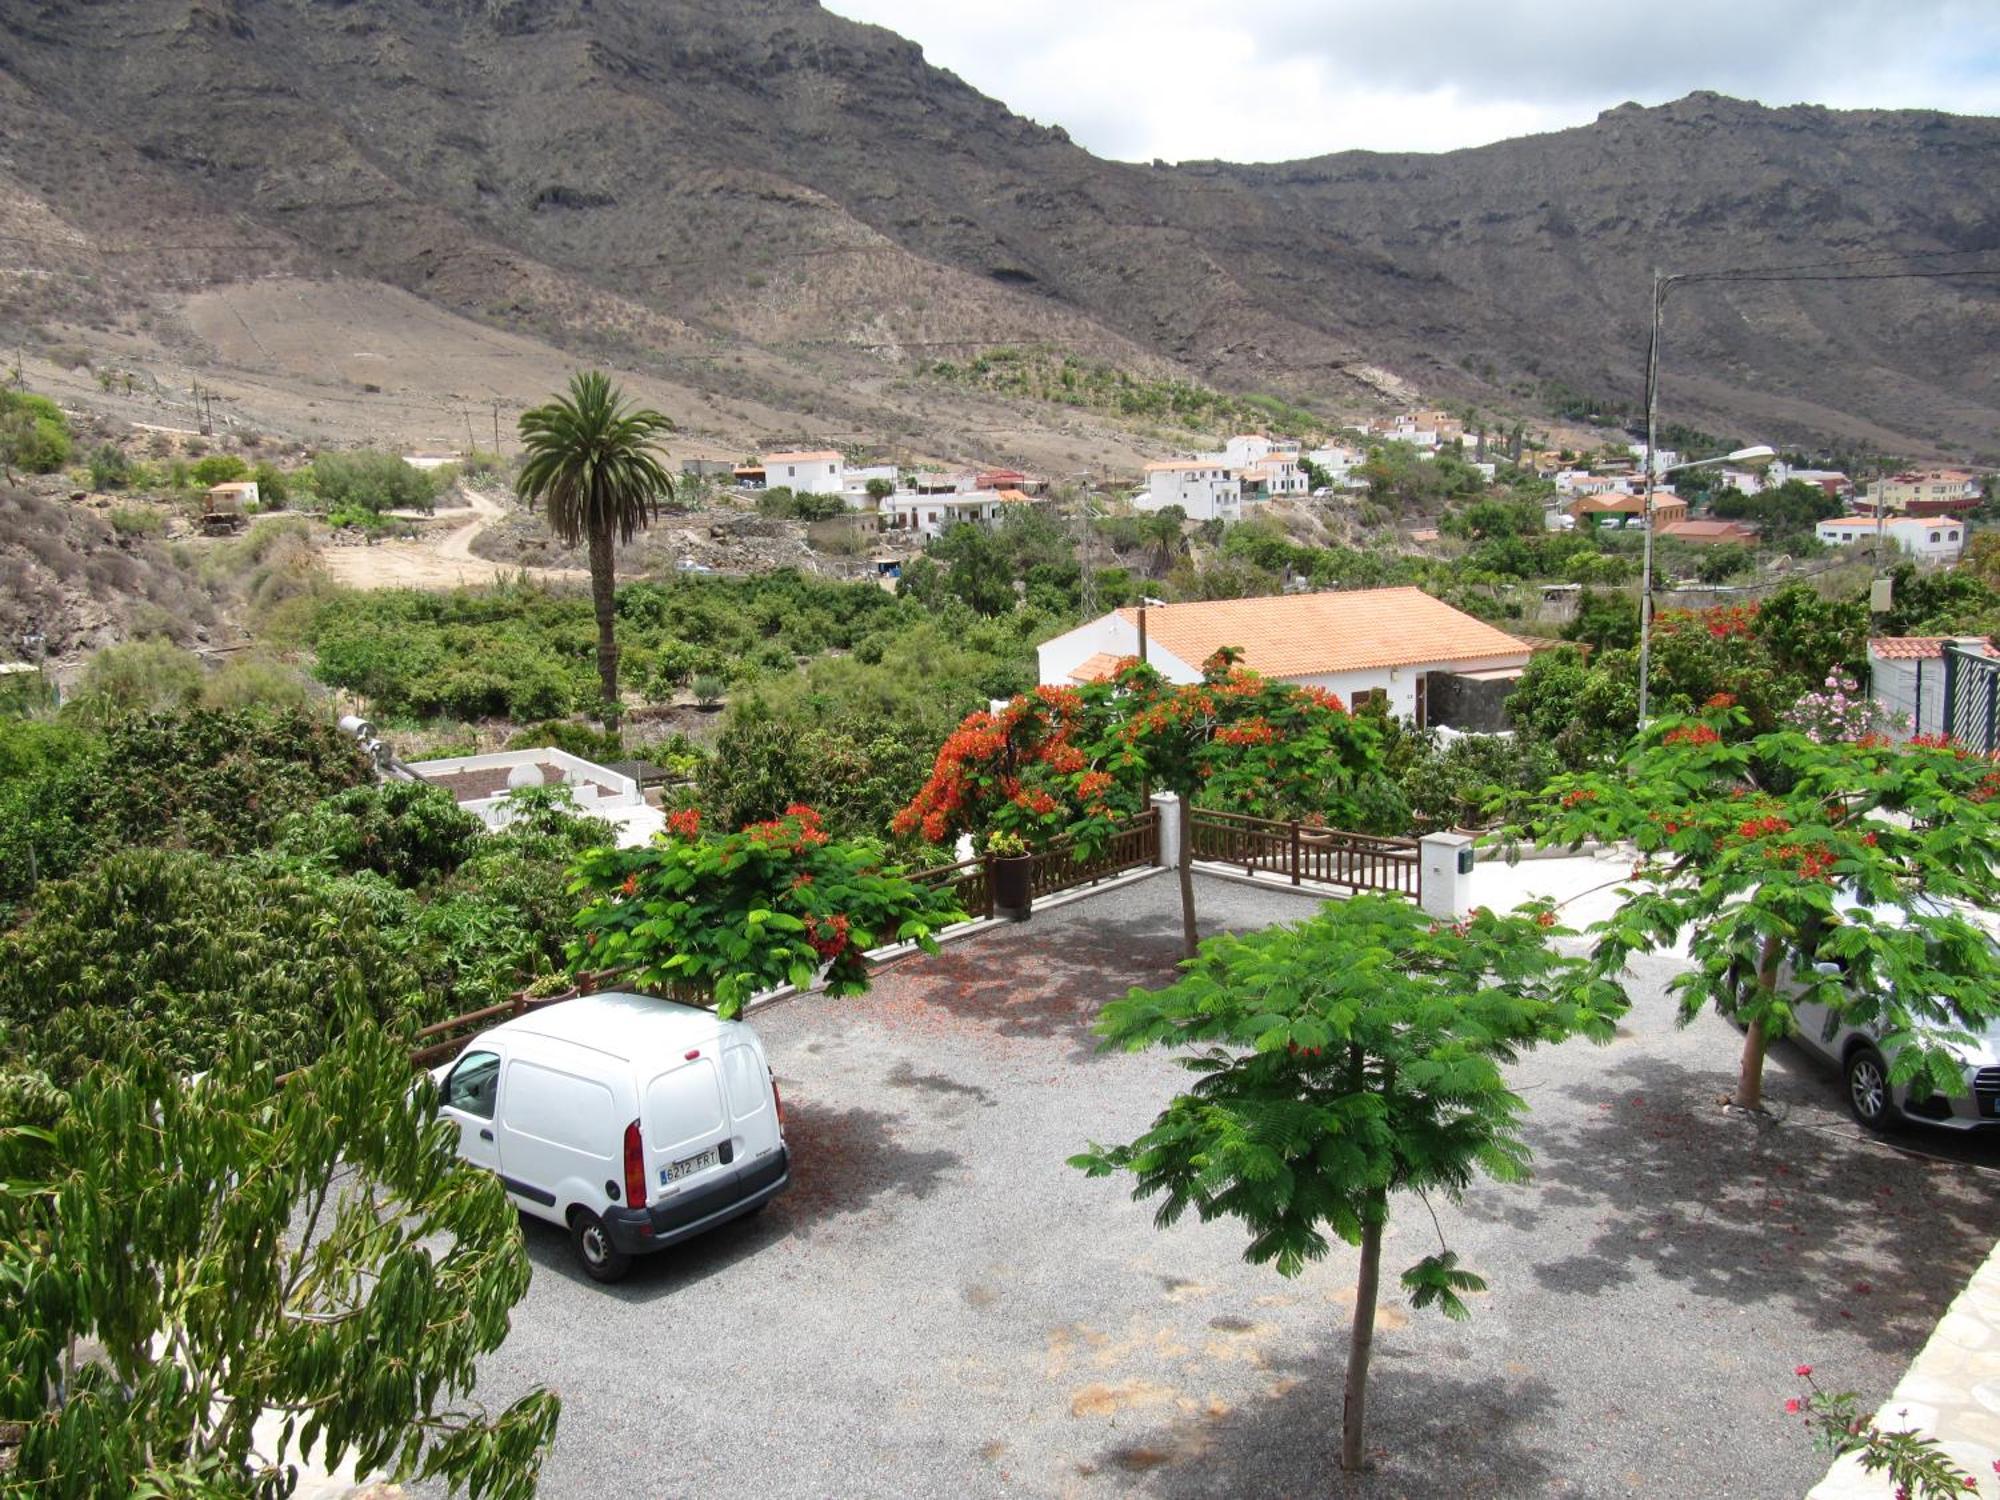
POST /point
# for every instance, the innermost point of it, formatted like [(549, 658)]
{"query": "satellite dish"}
[(525, 775)]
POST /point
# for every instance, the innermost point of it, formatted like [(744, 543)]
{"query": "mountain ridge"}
[(766, 182)]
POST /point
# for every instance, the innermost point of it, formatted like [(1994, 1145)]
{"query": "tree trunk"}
[(1190, 938), (1750, 1073), (604, 600), (1361, 1344)]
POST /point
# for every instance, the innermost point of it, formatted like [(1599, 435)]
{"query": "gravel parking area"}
[(941, 1306)]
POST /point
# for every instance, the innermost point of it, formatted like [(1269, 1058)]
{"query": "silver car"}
[(1864, 1069)]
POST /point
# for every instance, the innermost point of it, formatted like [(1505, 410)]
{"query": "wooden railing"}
[(1135, 845), (968, 882), (1317, 856)]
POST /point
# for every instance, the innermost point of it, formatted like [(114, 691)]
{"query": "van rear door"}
[(685, 1126), (753, 1114)]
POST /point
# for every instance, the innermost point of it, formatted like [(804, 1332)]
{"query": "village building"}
[(1620, 509), (1906, 679), (1206, 488), (1923, 492), (1928, 539), (934, 515), (1274, 477), (1424, 660), (854, 483), (815, 472)]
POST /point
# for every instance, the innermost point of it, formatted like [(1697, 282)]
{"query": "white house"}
[(854, 483), (480, 784), (1906, 678), (1273, 477), (1357, 643), (1931, 539), (818, 472), (934, 515), (1339, 463), (1206, 488)]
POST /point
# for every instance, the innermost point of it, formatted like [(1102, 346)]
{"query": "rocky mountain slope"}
[(787, 215)]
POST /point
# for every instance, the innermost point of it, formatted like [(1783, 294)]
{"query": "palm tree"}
[(592, 463)]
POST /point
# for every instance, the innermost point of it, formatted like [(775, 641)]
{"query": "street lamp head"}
[(1754, 457)]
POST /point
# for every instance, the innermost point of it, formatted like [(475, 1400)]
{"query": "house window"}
[(1936, 537), (1369, 696)]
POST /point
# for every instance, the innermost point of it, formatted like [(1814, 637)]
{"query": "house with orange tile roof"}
[(1710, 533), (1628, 510), (816, 471), (1400, 644)]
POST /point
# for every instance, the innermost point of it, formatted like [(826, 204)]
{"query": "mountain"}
[(783, 218)]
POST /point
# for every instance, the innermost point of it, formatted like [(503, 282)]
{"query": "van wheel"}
[(602, 1260), (1868, 1097)]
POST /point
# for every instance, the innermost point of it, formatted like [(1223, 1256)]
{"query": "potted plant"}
[(1010, 864), (549, 989)]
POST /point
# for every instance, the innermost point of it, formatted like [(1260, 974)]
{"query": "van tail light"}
[(635, 1167), (779, 1100)]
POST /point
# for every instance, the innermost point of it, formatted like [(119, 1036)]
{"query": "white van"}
[(633, 1121)]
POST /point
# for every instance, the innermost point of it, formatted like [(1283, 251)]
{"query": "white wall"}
[(1928, 539), (1205, 492), (818, 477), (1063, 655)]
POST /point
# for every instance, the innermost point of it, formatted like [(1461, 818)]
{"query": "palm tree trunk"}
[(604, 601)]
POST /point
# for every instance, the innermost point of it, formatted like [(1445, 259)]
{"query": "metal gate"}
[(1972, 698)]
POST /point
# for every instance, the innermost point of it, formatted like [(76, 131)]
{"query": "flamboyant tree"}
[(1073, 760), (725, 917), (1239, 742), (181, 1259), (1342, 1060), (1020, 769), (1843, 867)]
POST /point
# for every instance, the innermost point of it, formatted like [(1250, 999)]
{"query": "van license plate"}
[(700, 1162)]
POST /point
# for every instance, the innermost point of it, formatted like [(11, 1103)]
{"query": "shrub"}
[(256, 682), (408, 831), (219, 468), (139, 677), (109, 468), (274, 490), (568, 735), (368, 481), (34, 434), (132, 521)]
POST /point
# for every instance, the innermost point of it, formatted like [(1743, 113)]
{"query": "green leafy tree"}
[(408, 831), (110, 469), (726, 917), (593, 464), (1838, 863), (1350, 1057), (857, 773), (219, 468), (179, 1258), (880, 489), (981, 574), (368, 481)]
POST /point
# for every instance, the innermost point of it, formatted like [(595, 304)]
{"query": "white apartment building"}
[(1275, 477), (1339, 463), (818, 472), (854, 483), (1929, 539), (1206, 488)]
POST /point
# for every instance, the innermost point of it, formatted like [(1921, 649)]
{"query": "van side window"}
[(474, 1084)]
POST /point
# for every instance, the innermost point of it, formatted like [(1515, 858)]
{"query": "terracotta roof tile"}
[(818, 455), (1308, 635), (1913, 647), (1095, 668)]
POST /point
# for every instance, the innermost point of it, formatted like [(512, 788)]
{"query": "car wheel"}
[(602, 1260), (1868, 1097)]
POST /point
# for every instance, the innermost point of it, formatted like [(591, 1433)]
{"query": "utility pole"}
[(469, 444), (1646, 478), (496, 428), (1087, 579)]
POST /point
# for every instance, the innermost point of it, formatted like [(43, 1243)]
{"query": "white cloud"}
[(1267, 80)]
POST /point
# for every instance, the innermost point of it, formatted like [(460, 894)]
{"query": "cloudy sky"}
[(1267, 80)]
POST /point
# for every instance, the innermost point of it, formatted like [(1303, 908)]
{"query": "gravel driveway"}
[(941, 1306)]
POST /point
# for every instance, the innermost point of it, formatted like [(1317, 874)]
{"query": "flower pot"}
[(1013, 878), (537, 1002)]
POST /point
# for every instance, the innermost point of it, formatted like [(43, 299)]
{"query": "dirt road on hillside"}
[(444, 561)]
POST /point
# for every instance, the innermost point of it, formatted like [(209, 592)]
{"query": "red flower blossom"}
[(1721, 700), (1693, 734), (686, 823)]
